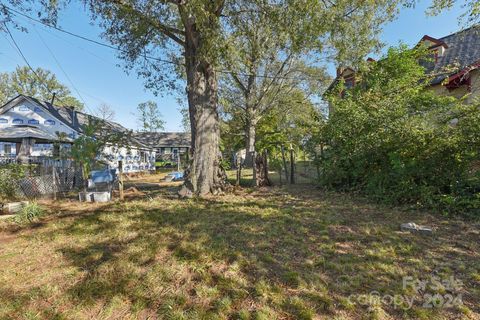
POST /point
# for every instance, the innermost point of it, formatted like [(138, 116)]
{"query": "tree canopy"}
[(392, 138), (40, 84), (165, 41)]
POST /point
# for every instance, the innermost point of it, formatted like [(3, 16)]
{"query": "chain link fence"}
[(39, 177), (50, 182)]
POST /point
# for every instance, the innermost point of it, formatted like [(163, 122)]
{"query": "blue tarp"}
[(176, 175), (103, 176)]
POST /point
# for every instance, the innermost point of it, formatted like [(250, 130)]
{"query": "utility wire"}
[(63, 70), (148, 57), (28, 64), (13, 11)]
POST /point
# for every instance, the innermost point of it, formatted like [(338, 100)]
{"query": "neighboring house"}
[(455, 65), (167, 145), (31, 129)]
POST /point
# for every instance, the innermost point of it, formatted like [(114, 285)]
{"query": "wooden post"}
[(54, 183), (178, 160), (284, 160), (292, 167), (120, 179), (239, 170), (254, 168)]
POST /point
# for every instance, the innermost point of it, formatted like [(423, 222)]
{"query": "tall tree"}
[(40, 84), (469, 17), (189, 36), (268, 62), (149, 117)]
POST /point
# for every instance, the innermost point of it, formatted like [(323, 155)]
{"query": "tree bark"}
[(261, 164), (204, 175), (250, 135)]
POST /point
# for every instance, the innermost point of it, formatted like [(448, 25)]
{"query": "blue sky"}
[(95, 70)]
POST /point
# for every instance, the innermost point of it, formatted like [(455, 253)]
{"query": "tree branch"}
[(171, 32), (237, 80)]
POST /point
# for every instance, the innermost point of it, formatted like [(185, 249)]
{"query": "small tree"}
[(149, 117), (88, 147)]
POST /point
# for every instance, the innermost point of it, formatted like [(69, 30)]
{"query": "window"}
[(38, 109), (3, 120), (23, 108), (17, 121), (49, 122), (33, 121)]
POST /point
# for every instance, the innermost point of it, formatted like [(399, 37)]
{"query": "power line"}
[(147, 57), (63, 70), (82, 37), (27, 63)]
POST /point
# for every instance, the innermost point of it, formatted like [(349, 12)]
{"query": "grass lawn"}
[(279, 253)]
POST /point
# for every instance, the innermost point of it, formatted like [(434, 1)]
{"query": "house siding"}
[(26, 112), (463, 91)]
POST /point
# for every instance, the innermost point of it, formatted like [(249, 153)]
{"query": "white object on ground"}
[(413, 227)]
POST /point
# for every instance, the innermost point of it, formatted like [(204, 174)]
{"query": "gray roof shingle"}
[(164, 139), (463, 51), (78, 120)]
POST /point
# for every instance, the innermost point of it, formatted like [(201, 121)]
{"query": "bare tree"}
[(105, 112)]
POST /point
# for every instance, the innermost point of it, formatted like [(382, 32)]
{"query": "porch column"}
[(25, 150)]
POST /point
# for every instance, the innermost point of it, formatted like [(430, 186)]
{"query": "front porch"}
[(31, 145)]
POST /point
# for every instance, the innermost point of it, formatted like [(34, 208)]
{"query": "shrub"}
[(9, 176), (399, 143), (29, 213)]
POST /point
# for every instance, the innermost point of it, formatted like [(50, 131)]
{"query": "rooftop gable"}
[(74, 119)]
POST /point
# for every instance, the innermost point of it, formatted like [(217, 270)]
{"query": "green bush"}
[(9, 176), (29, 213), (394, 140)]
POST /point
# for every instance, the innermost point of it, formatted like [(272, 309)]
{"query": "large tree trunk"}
[(261, 164), (204, 174), (250, 135)]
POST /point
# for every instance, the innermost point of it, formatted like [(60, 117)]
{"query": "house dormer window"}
[(436, 46)]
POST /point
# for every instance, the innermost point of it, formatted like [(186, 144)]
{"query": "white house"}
[(31, 129)]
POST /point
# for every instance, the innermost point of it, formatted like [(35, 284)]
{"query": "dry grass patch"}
[(281, 254)]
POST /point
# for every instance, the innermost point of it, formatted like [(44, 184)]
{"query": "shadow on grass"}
[(293, 254)]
